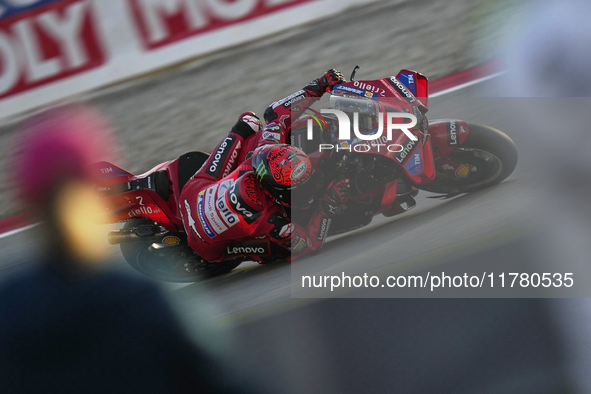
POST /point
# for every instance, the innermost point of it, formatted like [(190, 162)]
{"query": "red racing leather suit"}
[(225, 211)]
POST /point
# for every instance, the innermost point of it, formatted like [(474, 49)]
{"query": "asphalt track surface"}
[(430, 233)]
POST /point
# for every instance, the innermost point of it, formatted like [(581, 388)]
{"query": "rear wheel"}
[(486, 158), (172, 264)]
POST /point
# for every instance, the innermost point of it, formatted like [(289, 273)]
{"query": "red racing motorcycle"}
[(445, 156)]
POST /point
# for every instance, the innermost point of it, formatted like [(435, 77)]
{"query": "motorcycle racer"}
[(239, 203)]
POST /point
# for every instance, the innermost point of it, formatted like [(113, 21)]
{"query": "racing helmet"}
[(284, 170)]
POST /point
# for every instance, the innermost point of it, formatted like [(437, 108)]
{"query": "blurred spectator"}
[(66, 326), (548, 64), (549, 57)]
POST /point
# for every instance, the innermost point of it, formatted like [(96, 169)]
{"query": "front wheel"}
[(487, 157), (171, 264)]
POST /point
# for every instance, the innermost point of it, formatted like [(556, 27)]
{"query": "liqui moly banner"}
[(41, 45), (52, 49), (161, 22)]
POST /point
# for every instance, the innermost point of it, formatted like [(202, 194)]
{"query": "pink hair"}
[(57, 146)]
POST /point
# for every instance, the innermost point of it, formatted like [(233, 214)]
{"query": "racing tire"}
[(175, 264), (491, 155)]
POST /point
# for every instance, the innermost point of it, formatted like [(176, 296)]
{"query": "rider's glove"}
[(248, 124), (325, 83), (330, 79), (335, 197)]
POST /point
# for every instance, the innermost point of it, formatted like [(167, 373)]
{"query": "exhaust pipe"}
[(121, 236), (139, 233)]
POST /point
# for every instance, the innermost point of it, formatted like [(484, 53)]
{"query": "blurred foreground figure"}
[(65, 326), (548, 64), (550, 56)]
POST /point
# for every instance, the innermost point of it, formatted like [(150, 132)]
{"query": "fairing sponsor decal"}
[(369, 88), (452, 133), (463, 171), (408, 79), (407, 147), (171, 240), (248, 248), (415, 165), (349, 89), (399, 86)]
